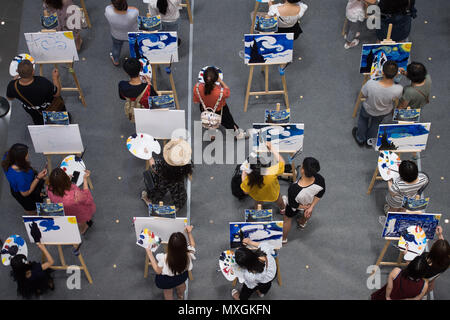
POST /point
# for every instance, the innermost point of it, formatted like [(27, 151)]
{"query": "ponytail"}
[(162, 6), (210, 77)]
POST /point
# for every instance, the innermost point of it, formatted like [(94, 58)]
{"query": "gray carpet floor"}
[(327, 260)]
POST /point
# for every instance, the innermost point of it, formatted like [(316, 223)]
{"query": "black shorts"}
[(170, 282), (295, 29), (291, 213), (29, 203)]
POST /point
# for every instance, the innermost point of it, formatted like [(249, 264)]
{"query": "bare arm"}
[(56, 82), (223, 84), (390, 283), (188, 230), (85, 180), (153, 261), (47, 255), (309, 209), (35, 182)]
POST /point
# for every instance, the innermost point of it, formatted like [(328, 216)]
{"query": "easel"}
[(48, 155), (188, 6), (83, 6), (255, 12), (380, 261), (172, 82), (388, 40), (69, 63), (63, 265)]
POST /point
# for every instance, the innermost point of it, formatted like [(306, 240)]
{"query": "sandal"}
[(233, 293), (112, 59), (284, 241)]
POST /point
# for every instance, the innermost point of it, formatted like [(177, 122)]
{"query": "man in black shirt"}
[(36, 93)]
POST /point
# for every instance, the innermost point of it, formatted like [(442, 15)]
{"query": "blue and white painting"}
[(269, 49), (158, 47), (50, 209), (397, 224), (253, 215), (53, 230), (263, 24), (161, 102), (274, 116), (155, 210), (54, 117), (149, 23), (416, 204), (270, 232), (283, 137), (373, 55), (407, 115), (403, 137)]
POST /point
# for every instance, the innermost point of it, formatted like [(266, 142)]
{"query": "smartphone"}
[(75, 176)]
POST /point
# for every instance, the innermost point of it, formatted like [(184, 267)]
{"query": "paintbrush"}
[(396, 246)]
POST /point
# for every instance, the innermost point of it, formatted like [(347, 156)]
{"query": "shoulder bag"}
[(56, 105), (130, 105)]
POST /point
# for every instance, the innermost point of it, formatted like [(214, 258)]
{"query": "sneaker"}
[(301, 226), (354, 136), (352, 44), (90, 223), (259, 294), (370, 143)]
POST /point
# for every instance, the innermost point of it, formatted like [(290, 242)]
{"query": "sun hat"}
[(177, 152)]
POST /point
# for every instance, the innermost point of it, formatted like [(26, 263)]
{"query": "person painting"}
[(289, 14), (25, 183), (417, 94), (172, 267)]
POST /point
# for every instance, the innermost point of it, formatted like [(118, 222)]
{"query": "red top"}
[(211, 99), (403, 288), (77, 202)]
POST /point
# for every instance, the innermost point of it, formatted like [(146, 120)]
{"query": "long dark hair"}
[(249, 259), (210, 76), (177, 253), (415, 269), (59, 182), (440, 254), (54, 4), (310, 166), (17, 156), (255, 177), (120, 5), (20, 266), (162, 6), (174, 173)]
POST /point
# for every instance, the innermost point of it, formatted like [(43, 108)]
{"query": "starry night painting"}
[(159, 47), (263, 24), (407, 115), (253, 215), (372, 54), (149, 23), (271, 232), (397, 223), (283, 137), (403, 137), (269, 49)]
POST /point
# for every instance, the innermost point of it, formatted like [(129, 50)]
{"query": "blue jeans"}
[(116, 48), (367, 125)]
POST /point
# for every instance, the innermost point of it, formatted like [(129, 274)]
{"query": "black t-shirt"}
[(127, 90), (40, 93), (304, 195), (395, 6)]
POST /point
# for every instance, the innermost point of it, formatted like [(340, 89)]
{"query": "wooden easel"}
[(188, 6), (380, 261), (388, 40), (49, 155), (83, 7), (255, 12), (69, 63), (172, 82), (63, 265)]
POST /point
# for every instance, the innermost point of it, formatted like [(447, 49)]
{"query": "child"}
[(354, 13)]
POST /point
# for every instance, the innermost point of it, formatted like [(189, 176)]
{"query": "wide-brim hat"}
[(177, 152)]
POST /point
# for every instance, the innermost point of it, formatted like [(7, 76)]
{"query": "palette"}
[(148, 239), (50, 209), (143, 145), (200, 74), (416, 239), (229, 267), (73, 163), (146, 69), (388, 163), (13, 246), (15, 63)]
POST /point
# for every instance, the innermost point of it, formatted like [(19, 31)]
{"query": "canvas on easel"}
[(270, 232), (410, 137), (52, 46), (276, 48), (59, 139), (162, 227), (159, 123), (397, 223), (54, 230), (287, 138), (158, 47)]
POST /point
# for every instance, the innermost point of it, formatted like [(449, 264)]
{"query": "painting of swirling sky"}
[(269, 49), (398, 52), (159, 47)]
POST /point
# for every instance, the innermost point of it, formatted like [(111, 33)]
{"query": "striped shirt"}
[(401, 189)]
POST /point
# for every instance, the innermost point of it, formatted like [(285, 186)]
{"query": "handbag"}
[(57, 103), (210, 119)]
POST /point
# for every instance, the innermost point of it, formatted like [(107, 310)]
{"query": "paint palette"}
[(388, 163), (50, 209), (13, 246), (274, 116), (73, 163), (54, 117), (18, 59), (162, 211), (143, 145), (229, 267), (148, 239), (200, 74), (407, 115), (416, 239)]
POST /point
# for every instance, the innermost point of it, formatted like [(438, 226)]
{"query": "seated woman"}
[(303, 195), (172, 267), (77, 202), (170, 172), (289, 14), (260, 269), (264, 188), (409, 184), (25, 184)]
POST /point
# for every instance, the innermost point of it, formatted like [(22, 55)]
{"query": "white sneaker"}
[(352, 44), (241, 134)]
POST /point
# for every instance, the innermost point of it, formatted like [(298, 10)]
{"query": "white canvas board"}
[(54, 230), (56, 139), (160, 124), (52, 46), (161, 227)]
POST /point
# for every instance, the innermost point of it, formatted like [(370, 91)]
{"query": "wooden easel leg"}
[(252, 28), (278, 272), (155, 83), (147, 165), (191, 277), (72, 71), (85, 269), (89, 181), (83, 5), (359, 99), (61, 256), (383, 252), (188, 5), (174, 90), (146, 266), (266, 76), (49, 164), (41, 70), (286, 97), (372, 182), (234, 282), (249, 85), (344, 27)]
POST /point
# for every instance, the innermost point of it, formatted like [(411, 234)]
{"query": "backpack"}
[(236, 181), (130, 105)]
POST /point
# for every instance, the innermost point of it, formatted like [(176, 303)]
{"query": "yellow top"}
[(271, 188)]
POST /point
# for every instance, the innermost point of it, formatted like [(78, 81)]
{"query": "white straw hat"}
[(177, 152)]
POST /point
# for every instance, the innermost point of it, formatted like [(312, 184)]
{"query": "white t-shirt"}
[(121, 24), (173, 10), (162, 263), (287, 21), (251, 280)]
